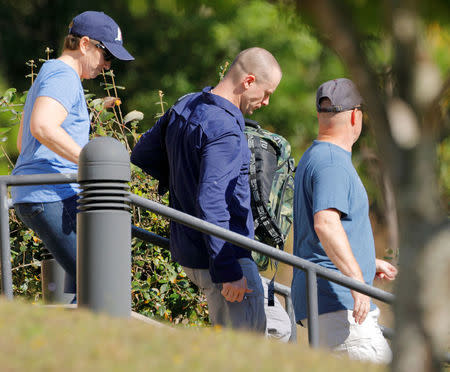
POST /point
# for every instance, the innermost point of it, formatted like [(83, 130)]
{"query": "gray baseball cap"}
[(341, 92)]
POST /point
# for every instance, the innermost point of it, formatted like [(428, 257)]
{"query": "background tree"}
[(180, 46), (396, 51), (409, 112)]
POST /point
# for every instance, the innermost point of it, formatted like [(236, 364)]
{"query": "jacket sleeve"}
[(149, 154), (219, 171)]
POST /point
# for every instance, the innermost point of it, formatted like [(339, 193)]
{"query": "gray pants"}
[(248, 314)]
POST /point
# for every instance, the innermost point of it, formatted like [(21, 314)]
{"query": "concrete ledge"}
[(148, 320), (134, 315)]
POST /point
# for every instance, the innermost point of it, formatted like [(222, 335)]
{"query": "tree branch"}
[(340, 36)]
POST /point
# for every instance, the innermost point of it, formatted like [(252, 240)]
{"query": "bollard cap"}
[(104, 159)]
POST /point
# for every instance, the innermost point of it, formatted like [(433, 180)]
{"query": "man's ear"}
[(84, 44), (249, 80), (353, 118)]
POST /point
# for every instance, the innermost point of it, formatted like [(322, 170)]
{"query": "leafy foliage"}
[(11, 104), (160, 288), (179, 43), (26, 251)]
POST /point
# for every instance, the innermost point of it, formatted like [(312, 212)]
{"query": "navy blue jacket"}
[(208, 158)]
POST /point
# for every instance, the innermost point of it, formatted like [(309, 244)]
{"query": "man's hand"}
[(235, 291), (329, 229), (361, 308), (385, 270)]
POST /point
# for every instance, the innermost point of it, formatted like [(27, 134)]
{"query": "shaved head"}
[(252, 78), (256, 61)]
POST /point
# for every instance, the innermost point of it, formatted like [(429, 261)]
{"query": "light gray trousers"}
[(248, 314)]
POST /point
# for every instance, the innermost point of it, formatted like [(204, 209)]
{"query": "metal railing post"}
[(103, 228), (290, 311), (313, 308), (5, 250)]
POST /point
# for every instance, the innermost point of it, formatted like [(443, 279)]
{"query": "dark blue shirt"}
[(208, 158)]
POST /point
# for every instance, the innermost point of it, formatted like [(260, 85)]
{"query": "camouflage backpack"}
[(271, 186)]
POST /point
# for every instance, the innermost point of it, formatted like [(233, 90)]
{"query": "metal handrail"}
[(312, 270), (39, 179), (279, 288), (5, 249), (254, 245)]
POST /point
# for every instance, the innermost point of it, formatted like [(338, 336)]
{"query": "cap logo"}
[(119, 35)]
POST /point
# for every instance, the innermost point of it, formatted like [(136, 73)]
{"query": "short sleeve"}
[(60, 85), (331, 189)]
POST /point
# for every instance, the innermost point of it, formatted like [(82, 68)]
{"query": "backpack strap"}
[(262, 214), (252, 123), (271, 288)]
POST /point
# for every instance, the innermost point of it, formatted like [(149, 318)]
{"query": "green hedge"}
[(160, 288)]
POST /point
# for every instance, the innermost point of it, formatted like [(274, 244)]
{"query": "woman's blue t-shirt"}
[(59, 81)]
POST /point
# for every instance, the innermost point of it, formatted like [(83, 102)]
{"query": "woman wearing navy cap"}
[(54, 128)]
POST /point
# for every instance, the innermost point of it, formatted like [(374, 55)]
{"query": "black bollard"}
[(103, 228)]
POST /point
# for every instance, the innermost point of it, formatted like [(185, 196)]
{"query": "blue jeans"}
[(55, 224)]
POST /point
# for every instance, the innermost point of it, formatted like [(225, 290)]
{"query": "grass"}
[(34, 338)]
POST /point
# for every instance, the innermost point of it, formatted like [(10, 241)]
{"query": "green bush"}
[(160, 288)]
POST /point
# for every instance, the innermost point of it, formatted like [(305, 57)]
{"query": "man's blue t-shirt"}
[(325, 178), (59, 81)]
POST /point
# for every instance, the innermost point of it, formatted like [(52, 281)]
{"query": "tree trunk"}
[(408, 153)]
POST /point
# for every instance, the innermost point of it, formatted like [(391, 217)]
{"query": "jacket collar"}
[(225, 105)]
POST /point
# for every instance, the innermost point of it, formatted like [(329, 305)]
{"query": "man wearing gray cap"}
[(332, 229), (54, 128)]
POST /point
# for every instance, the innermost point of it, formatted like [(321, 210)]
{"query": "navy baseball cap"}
[(100, 27), (342, 94)]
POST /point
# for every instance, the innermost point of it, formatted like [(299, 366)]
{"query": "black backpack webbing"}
[(263, 217)]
